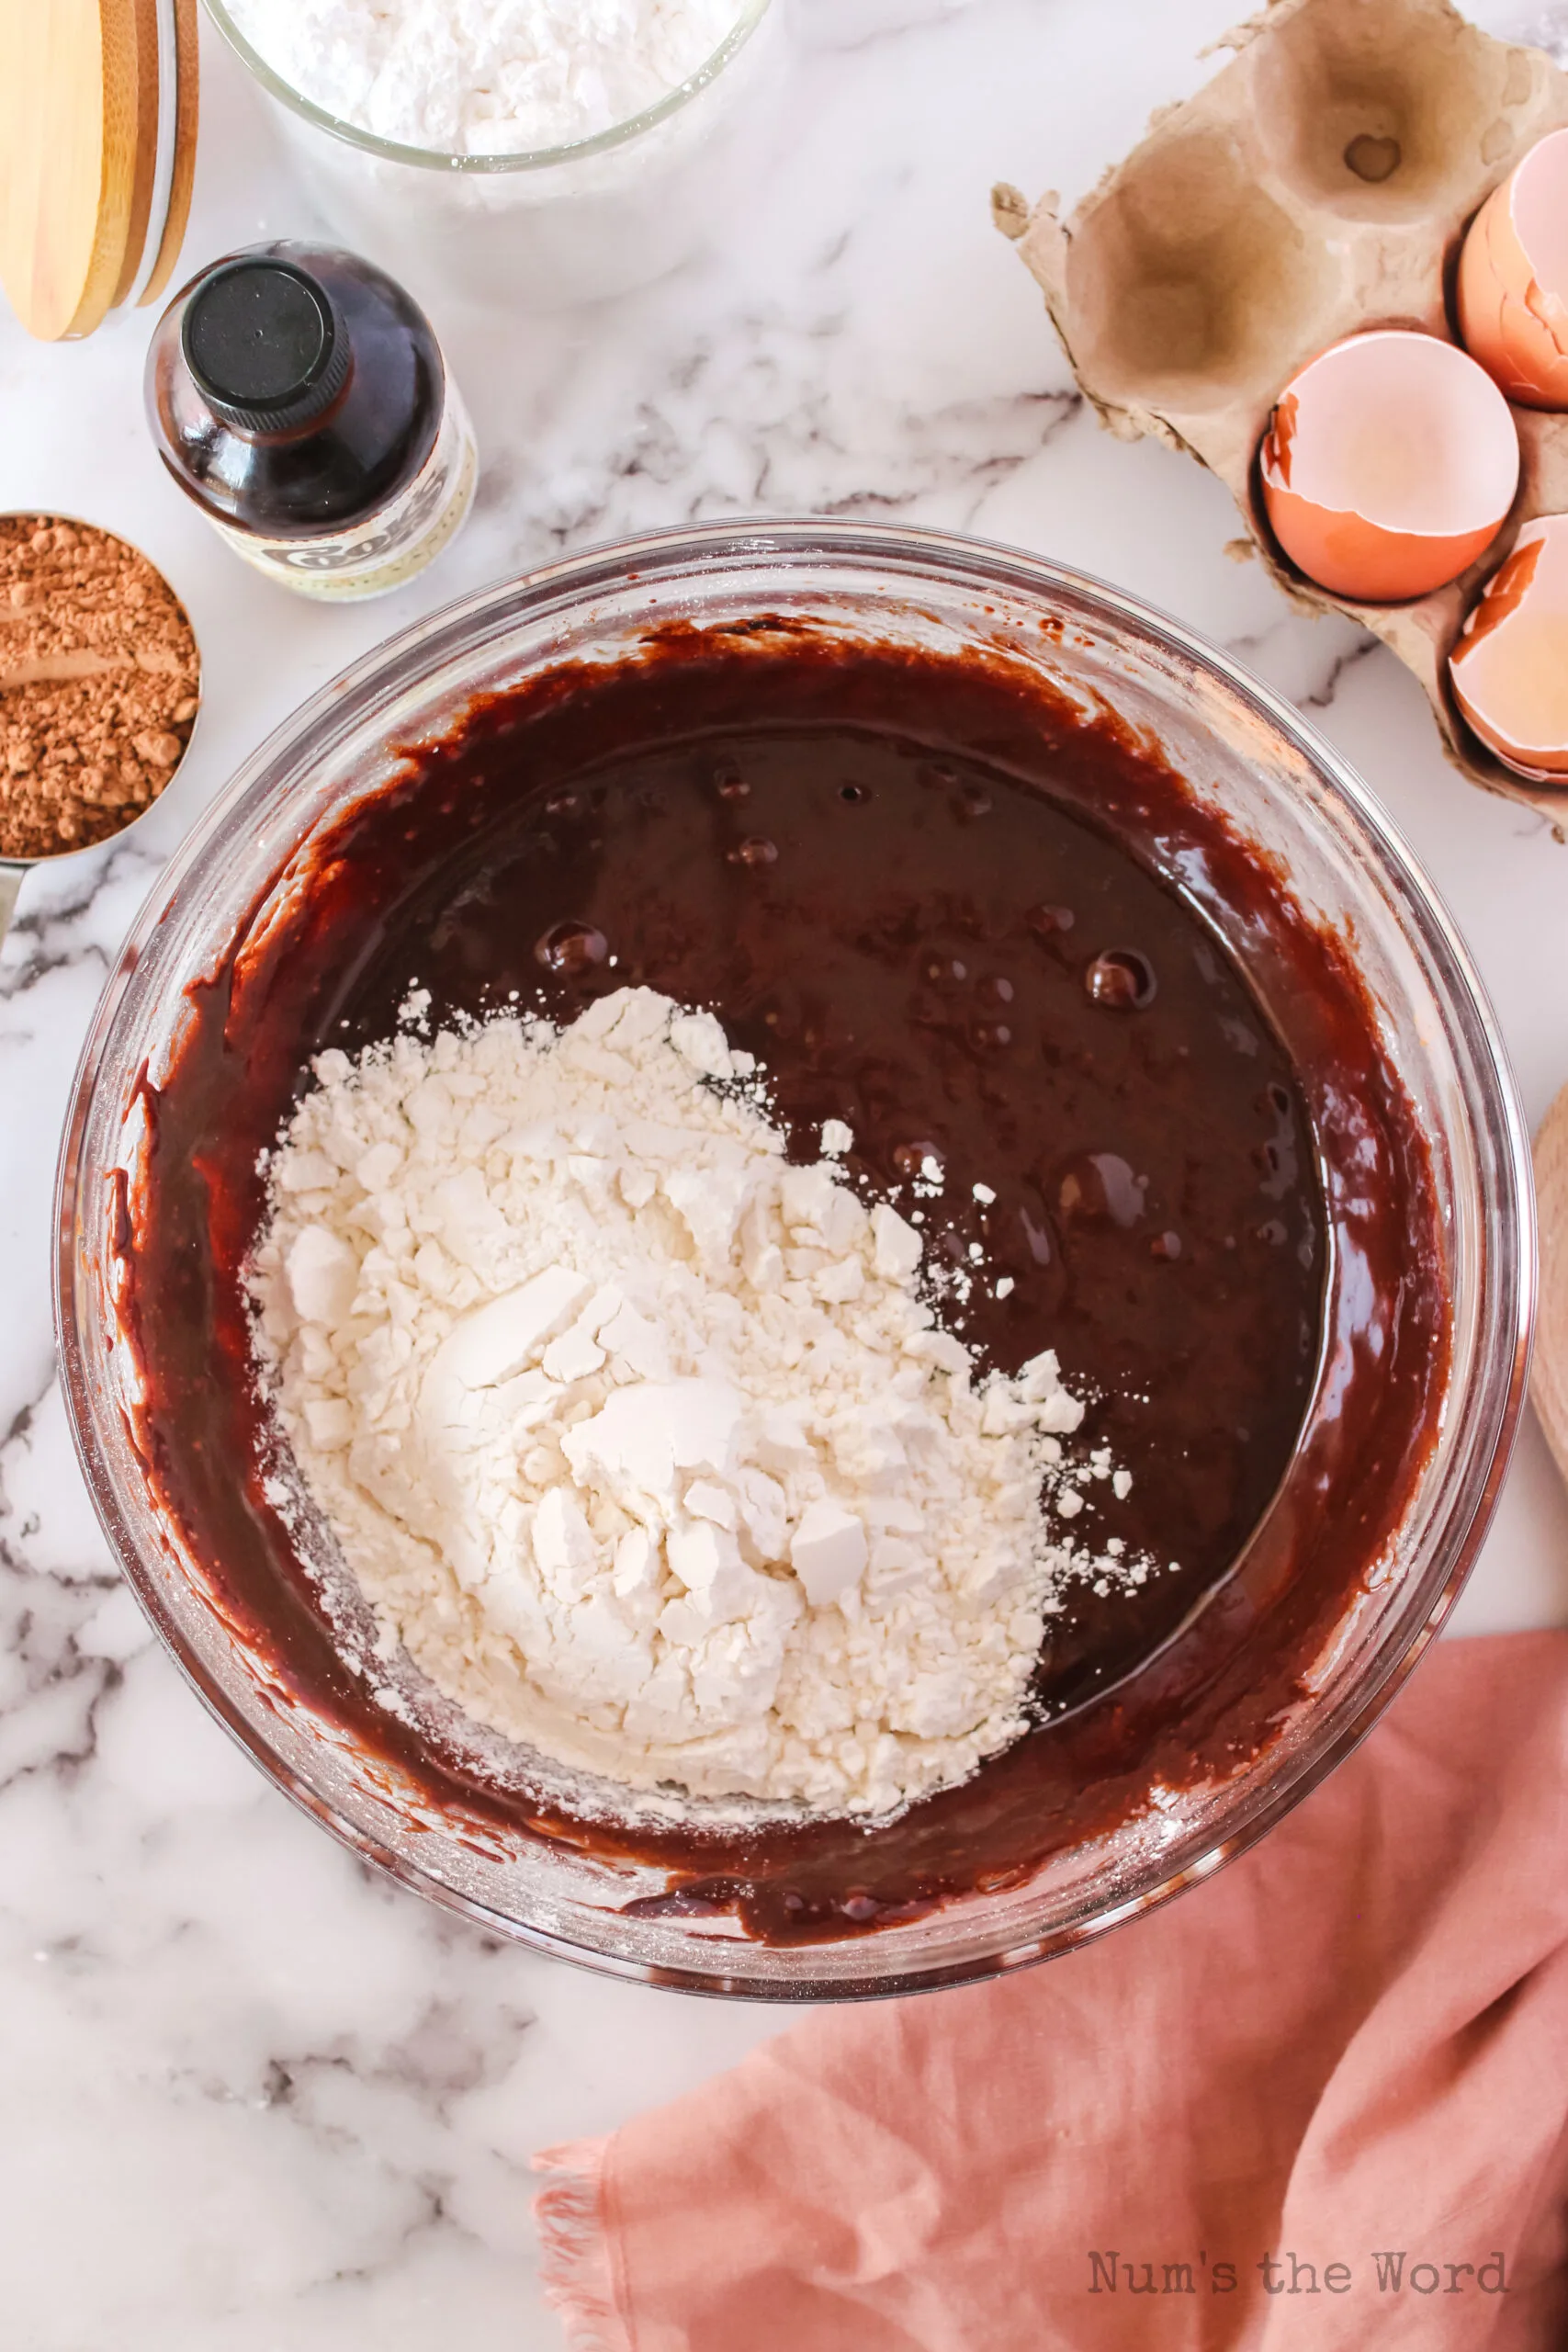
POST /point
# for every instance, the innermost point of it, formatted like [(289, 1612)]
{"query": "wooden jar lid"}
[(97, 152)]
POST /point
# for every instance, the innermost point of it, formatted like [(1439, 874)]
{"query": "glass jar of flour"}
[(533, 153)]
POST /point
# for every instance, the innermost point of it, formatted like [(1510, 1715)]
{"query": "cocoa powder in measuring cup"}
[(99, 685)]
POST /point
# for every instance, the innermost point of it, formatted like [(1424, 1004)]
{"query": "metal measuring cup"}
[(14, 871)]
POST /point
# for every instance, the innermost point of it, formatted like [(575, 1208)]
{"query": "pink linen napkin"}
[(1321, 2101)]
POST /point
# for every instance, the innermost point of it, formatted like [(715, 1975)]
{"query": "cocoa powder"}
[(99, 685)]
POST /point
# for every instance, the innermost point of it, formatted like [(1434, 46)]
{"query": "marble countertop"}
[(256, 2100)]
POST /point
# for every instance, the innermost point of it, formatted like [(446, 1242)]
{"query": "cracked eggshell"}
[(1509, 670), (1512, 288), (1389, 465), (1318, 188)]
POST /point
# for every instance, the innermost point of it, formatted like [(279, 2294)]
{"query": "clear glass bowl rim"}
[(432, 159), (1509, 1256)]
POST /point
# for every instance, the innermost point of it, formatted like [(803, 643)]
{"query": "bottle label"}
[(380, 555)]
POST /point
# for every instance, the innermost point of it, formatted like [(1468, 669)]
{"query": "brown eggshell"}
[(1512, 289), (1509, 670), (1388, 466)]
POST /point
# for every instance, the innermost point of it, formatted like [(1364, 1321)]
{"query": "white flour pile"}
[(642, 1440), (485, 77)]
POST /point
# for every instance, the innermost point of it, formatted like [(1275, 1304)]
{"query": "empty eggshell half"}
[(1509, 670), (1389, 465), (1513, 280)]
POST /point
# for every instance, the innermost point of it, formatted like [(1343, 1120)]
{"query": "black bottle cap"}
[(264, 345)]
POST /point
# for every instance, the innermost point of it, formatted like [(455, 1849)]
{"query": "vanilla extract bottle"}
[(300, 398)]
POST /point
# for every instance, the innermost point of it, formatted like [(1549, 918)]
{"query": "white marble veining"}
[(255, 2100)]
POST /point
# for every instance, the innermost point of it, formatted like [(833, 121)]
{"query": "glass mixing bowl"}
[(545, 228), (1240, 747)]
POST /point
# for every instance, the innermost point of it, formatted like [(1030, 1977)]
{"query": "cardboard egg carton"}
[(1320, 183)]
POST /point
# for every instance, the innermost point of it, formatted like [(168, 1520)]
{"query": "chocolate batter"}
[(933, 901)]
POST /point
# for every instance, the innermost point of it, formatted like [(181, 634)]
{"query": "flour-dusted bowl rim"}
[(749, 15), (1275, 777)]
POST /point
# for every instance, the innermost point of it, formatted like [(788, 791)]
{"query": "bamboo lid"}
[(97, 152)]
